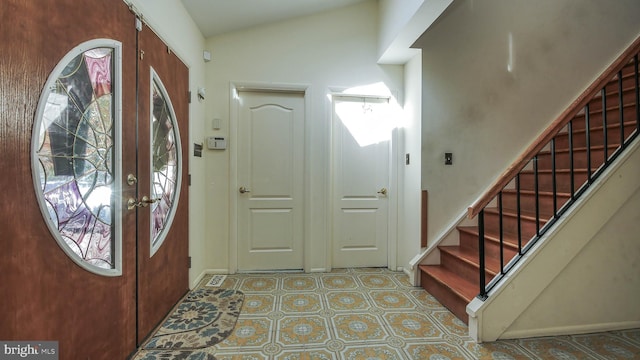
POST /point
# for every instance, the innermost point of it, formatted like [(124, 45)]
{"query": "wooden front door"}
[(45, 294), (75, 266), (163, 232)]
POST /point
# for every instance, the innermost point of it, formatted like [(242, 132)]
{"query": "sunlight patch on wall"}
[(369, 112)]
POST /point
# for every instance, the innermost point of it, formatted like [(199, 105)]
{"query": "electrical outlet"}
[(448, 158)]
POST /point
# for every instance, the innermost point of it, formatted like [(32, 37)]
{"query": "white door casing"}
[(270, 178), (360, 181)]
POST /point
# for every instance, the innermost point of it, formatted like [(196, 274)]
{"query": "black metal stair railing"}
[(558, 179)]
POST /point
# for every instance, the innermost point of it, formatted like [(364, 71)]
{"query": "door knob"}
[(132, 179), (383, 191), (243, 190)]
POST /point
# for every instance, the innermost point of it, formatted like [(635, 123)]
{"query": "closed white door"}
[(361, 143), (270, 180)]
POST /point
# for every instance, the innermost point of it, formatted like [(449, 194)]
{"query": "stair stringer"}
[(514, 308)]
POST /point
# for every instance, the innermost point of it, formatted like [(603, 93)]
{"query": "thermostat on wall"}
[(216, 143)]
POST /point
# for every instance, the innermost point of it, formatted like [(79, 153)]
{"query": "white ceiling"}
[(215, 17)]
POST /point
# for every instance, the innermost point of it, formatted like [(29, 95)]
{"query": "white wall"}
[(337, 49), (172, 23), (495, 74), (409, 213)]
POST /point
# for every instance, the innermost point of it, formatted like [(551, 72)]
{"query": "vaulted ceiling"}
[(215, 17)]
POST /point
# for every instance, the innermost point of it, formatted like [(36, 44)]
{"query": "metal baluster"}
[(635, 67), (537, 191), (501, 233), (587, 124), (519, 211), (554, 183), (483, 289), (571, 172), (621, 111), (603, 94)]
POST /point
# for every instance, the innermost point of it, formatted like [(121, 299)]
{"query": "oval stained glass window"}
[(166, 164), (76, 152)]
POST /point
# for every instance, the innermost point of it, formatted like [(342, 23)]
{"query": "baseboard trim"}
[(206, 272), (570, 330)]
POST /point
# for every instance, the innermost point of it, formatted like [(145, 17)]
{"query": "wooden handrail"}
[(553, 129)]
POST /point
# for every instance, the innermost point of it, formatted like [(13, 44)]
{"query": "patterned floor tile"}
[(373, 313), (255, 304), (358, 327), (299, 283), (300, 303), (609, 347), (347, 300), (377, 281), (392, 300), (555, 348), (249, 333), (255, 284), (378, 352), (302, 330), (340, 282), (411, 325), (501, 350), (443, 351)]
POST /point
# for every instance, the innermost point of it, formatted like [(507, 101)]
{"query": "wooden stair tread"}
[(462, 287)]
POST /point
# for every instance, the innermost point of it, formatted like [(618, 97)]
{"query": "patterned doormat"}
[(204, 318)]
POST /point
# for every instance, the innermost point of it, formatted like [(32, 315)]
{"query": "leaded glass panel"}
[(73, 157), (165, 163)]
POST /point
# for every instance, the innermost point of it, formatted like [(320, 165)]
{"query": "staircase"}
[(542, 187)]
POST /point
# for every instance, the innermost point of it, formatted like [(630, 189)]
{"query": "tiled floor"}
[(377, 314)]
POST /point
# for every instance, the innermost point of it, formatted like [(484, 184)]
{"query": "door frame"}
[(234, 117), (394, 179)]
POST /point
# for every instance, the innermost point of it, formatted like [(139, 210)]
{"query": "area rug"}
[(174, 355), (204, 318)]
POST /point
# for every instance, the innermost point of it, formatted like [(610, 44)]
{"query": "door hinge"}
[(189, 179), (138, 24), (189, 96), (141, 54), (189, 261)]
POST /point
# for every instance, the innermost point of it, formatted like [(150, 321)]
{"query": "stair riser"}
[(579, 159), (510, 225), (445, 296), (463, 268), (528, 203), (628, 81), (613, 100), (596, 137), (545, 182), (491, 248)]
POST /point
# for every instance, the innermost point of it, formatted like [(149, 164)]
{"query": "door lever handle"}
[(383, 191), (144, 202), (243, 190)]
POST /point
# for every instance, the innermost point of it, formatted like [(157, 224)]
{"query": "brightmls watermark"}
[(32, 350)]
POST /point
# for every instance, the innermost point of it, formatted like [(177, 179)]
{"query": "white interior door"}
[(270, 180), (361, 143)]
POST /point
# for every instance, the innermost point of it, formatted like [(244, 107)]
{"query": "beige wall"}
[(495, 74), (409, 211), (333, 50)]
